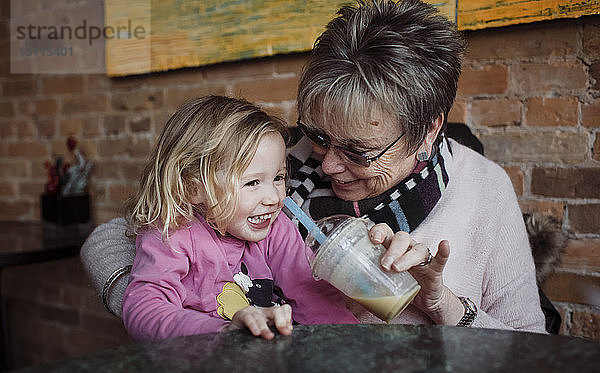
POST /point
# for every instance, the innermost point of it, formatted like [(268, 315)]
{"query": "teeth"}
[(259, 219), (341, 182)]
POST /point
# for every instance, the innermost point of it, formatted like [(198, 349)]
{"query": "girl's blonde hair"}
[(203, 150)]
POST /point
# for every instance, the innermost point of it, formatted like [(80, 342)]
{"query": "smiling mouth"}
[(260, 219), (341, 182)]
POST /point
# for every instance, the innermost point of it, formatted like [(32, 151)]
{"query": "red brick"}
[(16, 210), (516, 177), (267, 90), (596, 149), (106, 169), (70, 126), (139, 124), (289, 63), (581, 255), (591, 37), (553, 147), (118, 193), (133, 147), (595, 75), (585, 324), (11, 168), (85, 104), (192, 76), (6, 109), (89, 149), (97, 82), (552, 111), (523, 41), (26, 87), (8, 130), (549, 208), (458, 113), (46, 128), (91, 127), (61, 84), (178, 96), (584, 218), (137, 100), (25, 129), (45, 107), (104, 213), (573, 288), (501, 112), (241, 69), (535, 78), (489, 79), (566, 182), (8, 190), (28, 149), (131, 170), (590, 114), (31, 190), (114, 125)]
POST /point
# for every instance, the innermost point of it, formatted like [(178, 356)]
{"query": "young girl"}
[(213, 250)]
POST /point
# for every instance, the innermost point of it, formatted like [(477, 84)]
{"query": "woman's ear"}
[(424, 151)]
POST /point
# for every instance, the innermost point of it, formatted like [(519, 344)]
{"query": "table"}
[(34, 242), (349, 348)]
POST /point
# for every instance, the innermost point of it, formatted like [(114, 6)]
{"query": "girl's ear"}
[(197, 196)]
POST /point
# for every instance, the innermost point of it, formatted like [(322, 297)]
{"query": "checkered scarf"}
[(402, 207)]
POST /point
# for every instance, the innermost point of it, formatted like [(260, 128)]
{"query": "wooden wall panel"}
[(188, 33), (478, 14)]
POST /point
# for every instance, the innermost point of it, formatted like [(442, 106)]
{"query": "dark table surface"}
[(349, 348), (32, 242)]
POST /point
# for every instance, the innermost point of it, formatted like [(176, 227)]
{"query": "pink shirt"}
[(174, 286)]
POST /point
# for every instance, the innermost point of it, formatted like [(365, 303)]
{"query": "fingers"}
[(403, 252), (439, 260), (283, 319), (253, 319), (397, 246), (417, 254), (257, 320), (380, 234)]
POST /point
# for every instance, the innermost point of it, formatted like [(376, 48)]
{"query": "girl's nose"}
[(272, 196)]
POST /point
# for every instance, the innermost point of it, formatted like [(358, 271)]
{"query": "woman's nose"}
[(332, 163)]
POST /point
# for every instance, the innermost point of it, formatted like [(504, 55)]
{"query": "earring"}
[(422, 156)]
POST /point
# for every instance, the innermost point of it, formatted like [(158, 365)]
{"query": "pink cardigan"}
[(174, 286)]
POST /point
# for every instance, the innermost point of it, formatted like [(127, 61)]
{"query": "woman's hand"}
[(257, 320), (405, 254)]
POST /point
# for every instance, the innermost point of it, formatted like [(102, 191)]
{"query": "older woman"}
[(372, 103)]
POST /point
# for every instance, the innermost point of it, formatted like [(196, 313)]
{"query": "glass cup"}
[(348, 260)]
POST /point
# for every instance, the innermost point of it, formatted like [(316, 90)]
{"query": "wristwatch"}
[(470, 312)]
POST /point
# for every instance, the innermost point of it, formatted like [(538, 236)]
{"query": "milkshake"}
[(350, 261)]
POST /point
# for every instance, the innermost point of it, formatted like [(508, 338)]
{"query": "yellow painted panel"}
[(186, 33), (478, 14)]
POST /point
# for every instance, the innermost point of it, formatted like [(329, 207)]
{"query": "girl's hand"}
[(405, 254), (257, 320)]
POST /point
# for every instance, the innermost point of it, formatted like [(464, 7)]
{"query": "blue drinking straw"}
[(305, 220)]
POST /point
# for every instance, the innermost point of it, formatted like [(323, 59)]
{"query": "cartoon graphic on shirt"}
[(258, 291), (245, 291), (231, 300)]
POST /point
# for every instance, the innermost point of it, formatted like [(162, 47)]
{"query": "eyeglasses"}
[(323, 141)]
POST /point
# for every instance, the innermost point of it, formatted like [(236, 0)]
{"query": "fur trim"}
[(547, 243)]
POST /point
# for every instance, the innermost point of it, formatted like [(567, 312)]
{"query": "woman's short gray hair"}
[(400, 59)]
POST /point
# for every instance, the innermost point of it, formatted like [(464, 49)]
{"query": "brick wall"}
[(531, 93)]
